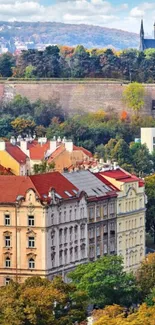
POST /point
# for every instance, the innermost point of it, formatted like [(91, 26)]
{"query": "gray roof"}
[(85, 181), (148, 43)]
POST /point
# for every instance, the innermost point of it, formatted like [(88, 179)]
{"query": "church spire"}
[(142, 29)]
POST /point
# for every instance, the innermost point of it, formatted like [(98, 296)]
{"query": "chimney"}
[(13, 141), (23, 147), (69, 145), (2, 145), (53, 144), (115, 165)]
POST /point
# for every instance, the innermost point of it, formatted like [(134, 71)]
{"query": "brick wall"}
[(75, 96)]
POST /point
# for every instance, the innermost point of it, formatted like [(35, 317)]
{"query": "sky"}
[(121, 14)]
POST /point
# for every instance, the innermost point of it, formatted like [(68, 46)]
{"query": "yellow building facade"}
[(130, 217)]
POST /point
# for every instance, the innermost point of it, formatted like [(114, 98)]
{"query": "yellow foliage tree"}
[(114, 315)]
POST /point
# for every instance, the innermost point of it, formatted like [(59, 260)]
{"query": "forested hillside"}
[(67, 34)]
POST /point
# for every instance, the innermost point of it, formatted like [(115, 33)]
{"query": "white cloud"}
[(96, 12)]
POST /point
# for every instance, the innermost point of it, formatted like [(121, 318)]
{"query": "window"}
[(7, 281), (105, 250), (91, 252), (60, 236), (82, 231), (98, 231), (105, 229), (98, 250), (52, 218), (111, 208), (64, 215), (60, 216), (7, 262), (70, 214), (112, 246), (31, 263), (76, 253), (60, 257), (76, 232), (7, 241), (105, 210), (31, 242), (119, 208), (30, 221), (53, 259), (53, 237), (65, 235), (7, 220), (71, 233), (98, 214), (83, 250), (91, 213), (71, 254), (91, 233), (65, 255), (119, 227), (140, 221)]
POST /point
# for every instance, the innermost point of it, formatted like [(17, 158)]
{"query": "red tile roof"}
[(105, 181), (5, 171), (16, 153), (44, 182), (38, 151), (13, 186), (122, 176)]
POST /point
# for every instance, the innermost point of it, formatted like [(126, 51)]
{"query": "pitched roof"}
[(148, 43), (57, 152), (16, 153), (85, 151), (63, 187), (38, 151), (122, 176), (105, 181), (5, 171), (87, 182), (13, 186)]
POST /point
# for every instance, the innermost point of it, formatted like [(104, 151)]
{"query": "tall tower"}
[(142, 29), (141, 48)]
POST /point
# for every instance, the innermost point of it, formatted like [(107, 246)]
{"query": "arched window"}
[(31, 263), (7, 262)]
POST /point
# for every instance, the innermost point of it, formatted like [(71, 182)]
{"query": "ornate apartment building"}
[(131, 202), (43, 226), (101, 203)]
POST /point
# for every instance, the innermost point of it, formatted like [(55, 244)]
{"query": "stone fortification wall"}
[(76, 96)]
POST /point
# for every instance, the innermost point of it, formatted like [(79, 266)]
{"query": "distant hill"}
[(35, 33)]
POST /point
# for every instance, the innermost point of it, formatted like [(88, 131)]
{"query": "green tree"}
[(105, 282), (150, 211), (44, 167), (30, 71), (121, 153), (142, 160), (134, 95), (7, 62)]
